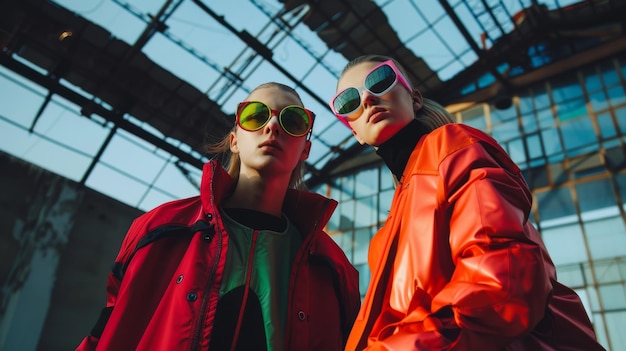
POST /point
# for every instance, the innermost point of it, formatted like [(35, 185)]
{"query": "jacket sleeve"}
[(90, 342), (500, 285)]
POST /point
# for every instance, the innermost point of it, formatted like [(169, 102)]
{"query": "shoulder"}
[(458, 134), (457, 146), (454, 138), (178, 211)]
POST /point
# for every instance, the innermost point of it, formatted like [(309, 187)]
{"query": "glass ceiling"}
[(204, 44)]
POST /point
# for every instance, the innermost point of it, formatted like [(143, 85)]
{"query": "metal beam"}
[(111, 115)]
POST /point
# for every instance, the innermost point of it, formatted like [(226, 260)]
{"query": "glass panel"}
[(607, 237), (385, 204), (475, 117), (595, 195), (538, 177), (116, 185), (154, 198), (516, 151), (346, 208), (555, 203), (22, 105), (565, 244), (367, 182), (616, 95), (506, 131), (545, 118), (551, 142), (386, 179), (364, 277), (598, 101), (609, 75), (366, 211), (566, 88), (534, 146), (610, 271), (498, 116), (348, 188), (361, 245), (525, 105), (529, 123), (578, 133), (615, 322), (620, 116), (592, 81), (571, 109), (607, 128), (541, 98), (570, 275), (175, 182)]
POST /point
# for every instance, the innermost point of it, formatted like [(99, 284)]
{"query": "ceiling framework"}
[(119, 76), (53, 46)]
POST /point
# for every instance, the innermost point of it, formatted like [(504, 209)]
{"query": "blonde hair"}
[(432, 115), (233, 162)]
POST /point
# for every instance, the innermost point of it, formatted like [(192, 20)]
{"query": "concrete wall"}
[(58, 241)]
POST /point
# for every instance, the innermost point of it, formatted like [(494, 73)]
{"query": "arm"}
[(500, 287)]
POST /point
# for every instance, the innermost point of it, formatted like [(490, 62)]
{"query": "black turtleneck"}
[(397, 150)]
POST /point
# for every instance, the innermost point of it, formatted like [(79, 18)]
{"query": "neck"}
[(258, 194), (397, 150)]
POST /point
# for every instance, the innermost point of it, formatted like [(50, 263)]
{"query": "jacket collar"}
[(305, 209), (397, 150)]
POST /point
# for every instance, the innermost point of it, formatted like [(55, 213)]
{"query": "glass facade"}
[(568, 136)]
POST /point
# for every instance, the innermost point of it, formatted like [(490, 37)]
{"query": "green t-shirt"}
[(272, 257)]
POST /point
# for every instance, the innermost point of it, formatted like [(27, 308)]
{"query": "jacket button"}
[(179, 279), (192, 296), (301, 316), (209, 216), (206, 237)]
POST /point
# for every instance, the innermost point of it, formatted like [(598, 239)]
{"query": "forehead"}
[(274, 97), (355, 75)]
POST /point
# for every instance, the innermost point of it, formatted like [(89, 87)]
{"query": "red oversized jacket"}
[(163, 291), (458, 265)]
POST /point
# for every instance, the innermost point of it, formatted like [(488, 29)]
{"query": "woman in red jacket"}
[(457, 265), (246, 265)]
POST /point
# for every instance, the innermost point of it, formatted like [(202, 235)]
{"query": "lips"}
[(375, 114), (271, 143)]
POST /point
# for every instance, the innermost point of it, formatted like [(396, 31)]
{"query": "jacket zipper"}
[(246, 290)]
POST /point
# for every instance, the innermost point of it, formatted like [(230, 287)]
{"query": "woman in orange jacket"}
[(457, 265), (246, 265)]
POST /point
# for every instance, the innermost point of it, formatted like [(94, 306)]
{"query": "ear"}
[(418, 100), (234, 147), (357, 137), (306, 150)]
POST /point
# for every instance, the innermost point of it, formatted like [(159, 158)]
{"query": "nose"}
[(273, 125), (368, 98)]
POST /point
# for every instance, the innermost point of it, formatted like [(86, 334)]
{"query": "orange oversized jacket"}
[(163, 291), (458, 265)]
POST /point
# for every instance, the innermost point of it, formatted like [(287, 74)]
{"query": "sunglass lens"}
[(253, 116), (347, 101), (295, 120), (380, 79)]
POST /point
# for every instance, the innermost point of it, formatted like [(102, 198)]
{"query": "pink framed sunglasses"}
[(379, 81)]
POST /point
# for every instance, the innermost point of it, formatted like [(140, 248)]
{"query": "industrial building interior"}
[(106, 106)]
